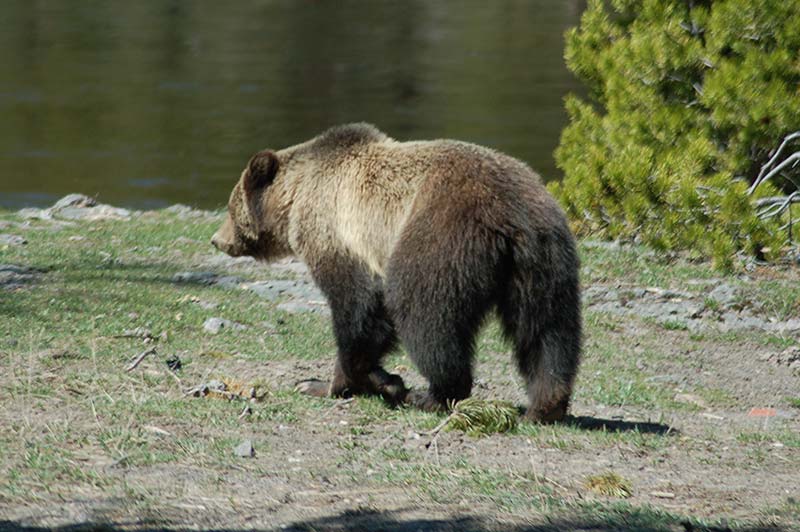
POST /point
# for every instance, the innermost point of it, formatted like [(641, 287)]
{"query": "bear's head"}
[(249, 228)]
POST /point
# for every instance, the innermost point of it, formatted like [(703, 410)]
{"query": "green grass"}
[(76, 424)]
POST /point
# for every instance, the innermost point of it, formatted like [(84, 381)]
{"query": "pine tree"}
[(685, 101)]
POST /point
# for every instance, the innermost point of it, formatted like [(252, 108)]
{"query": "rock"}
[(207, 279), (245, 449), (296, 306), (38, 214), (215, 386), (725, 295), (228, 282), (272, 290), (77, 207), (12, 240), (100, 212), (736, 321), (788, 357), (139, 332), (13, 276), (790, 326), (185, 212), (291, 265), (204, 278), (222, 260), (215, 325), (601, 244), (74, 200), (596, 294)]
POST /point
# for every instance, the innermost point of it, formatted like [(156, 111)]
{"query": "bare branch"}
[(772, 200), (764, 169), (138, 359), (792, 159), (776, 208)]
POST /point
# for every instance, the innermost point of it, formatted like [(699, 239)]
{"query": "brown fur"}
[(419, 240)]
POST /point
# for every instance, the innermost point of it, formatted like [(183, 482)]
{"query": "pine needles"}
[(477, 417)]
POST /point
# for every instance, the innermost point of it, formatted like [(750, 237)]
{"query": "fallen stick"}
[(138, 360)]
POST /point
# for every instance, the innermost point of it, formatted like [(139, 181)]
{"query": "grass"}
[(78, 426), (610, 484)]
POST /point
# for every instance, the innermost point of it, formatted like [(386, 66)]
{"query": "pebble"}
[(215, 325), (245, 449), (11, 240), (725, 295)]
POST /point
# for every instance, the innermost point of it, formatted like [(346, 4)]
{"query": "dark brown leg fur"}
[(440, 285), (364, 334), (541, 314)]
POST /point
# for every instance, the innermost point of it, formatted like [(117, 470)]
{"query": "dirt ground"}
[(702, 424)]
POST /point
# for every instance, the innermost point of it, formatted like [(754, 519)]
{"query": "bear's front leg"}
[(364, 333)]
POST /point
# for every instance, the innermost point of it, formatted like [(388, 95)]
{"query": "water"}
[(149, 103)]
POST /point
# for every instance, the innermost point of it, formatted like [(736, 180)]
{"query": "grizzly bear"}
[(418, 242)]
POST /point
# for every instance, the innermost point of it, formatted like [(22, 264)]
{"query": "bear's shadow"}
[(612, 425), (617, 425)]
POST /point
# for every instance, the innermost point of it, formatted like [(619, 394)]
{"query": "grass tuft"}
[(610, 484), (478, 417)]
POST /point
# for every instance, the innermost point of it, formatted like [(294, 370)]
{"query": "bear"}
[(417, 242)]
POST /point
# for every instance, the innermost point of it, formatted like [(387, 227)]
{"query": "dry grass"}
[(610, 484)]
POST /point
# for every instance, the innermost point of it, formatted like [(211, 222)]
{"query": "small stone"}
[(138, 332), (298, 307), (185, 212), (204, 278), (215, 325), (725, 295), (245, 449), (12, 240), (215, 385)]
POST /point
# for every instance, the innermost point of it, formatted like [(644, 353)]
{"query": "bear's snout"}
[(223, 245), (216, 242), (225, 238)]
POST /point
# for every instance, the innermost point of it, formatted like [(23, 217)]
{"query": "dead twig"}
[(435, 439), (763, 175), (138, 359), (777, 205)]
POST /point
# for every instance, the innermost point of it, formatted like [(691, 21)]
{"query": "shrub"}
[(685, 101)]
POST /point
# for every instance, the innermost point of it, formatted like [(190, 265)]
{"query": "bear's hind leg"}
[(545, 327), (439, 288)]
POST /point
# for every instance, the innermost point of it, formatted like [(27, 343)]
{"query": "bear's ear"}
[(261, 171)]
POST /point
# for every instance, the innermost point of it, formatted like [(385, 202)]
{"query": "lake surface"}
[(149, 103)]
